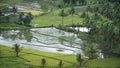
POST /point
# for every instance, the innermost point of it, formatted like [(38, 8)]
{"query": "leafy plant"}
[(79, 58), (60, 63), (43, 62), (91, 50), (17, 49)]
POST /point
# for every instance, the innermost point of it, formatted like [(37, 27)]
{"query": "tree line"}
[(106, 33), (74, 2)]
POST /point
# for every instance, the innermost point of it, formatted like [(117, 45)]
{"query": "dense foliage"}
[(106, 33)]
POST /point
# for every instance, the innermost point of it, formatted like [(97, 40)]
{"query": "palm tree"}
[(72, 11), (1, 13), (0, 53), (43, 62), (14, 10), (21, 17), (17, 49), (91, 51), (79, 58), (60, 63), (62, 14)]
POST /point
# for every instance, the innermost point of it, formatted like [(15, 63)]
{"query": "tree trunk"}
[(62, 21), (80, 63), (16, 54), (72, 18)]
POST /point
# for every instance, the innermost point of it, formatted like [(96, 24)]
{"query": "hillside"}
[(7, 59), (19, 20)]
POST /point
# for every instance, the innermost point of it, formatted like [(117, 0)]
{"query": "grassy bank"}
[(13, 62), (11, 26), (53, 18), (104, 63), (32, 58)]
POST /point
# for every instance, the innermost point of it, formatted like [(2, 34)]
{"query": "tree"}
[(96, 16), (88, 22), (91, 51), (79, 58), (66, 2), (73, 2), (72, 11), (17, 49), (83, 15), (14, 9), (43, 62), (60, 64), (27, 19), (62, 14), (21, 17), (82, 2), (107, 33), (1, 13)]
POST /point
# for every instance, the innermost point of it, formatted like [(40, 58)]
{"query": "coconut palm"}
[(14, 10), (21, 17), (60, 64), (79, 58), (72, 11), (43, 62), (62, 14), (17, 49), (91, 51)]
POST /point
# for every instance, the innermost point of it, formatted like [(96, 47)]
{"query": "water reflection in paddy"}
[(44, 39)]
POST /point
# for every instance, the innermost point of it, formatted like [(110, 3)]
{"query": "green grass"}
[(13, 62), (34, 57), (54, 18), (104, 63), (11, 26), (28, 57)]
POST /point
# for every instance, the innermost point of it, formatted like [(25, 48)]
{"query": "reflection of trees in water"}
[(28, 35), (13, 37), (25, 34), (16, 34), (69, 39), (4, 33)]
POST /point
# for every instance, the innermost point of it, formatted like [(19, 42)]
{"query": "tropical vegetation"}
[(101, 17)]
